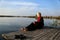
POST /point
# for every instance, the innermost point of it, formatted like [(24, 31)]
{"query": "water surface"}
[(14, 24)]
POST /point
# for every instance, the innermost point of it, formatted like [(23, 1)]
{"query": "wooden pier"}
[(41, 34)]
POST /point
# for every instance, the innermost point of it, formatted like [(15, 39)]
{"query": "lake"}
[(14, 24)]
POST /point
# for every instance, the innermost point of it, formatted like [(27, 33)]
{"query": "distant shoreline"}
[(46, 17)]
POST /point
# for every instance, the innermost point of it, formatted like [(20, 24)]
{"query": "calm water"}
[(13, 24)]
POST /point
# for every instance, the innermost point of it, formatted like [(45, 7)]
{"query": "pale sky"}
[(30, 7)]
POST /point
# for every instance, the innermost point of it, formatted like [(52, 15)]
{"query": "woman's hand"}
[(34, 22)]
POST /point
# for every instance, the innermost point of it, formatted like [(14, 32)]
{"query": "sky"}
[(30, 7)]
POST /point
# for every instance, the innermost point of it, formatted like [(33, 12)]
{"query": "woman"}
[(38, 24)]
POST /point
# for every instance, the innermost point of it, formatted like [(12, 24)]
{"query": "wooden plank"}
[(42, 34)]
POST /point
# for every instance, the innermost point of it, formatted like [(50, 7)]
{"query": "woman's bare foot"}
[(23, 29)]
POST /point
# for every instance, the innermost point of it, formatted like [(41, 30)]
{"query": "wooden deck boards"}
[(42, 34)]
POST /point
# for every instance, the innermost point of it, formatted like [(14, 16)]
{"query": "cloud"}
[(49, 11), (18, 8), (19, 11), (26, 8), (13, 3)]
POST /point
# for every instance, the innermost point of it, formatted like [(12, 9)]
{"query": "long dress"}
[(37, 25)]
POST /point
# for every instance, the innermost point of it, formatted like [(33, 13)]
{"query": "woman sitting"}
[(38, 24)]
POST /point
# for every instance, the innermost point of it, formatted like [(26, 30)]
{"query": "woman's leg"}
[(30, 27)]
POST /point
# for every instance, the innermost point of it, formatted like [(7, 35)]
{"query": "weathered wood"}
[(42, 34)]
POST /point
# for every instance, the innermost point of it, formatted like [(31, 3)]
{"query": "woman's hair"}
[(38, 14)]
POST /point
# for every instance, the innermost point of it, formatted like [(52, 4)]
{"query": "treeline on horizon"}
[(48, 17)]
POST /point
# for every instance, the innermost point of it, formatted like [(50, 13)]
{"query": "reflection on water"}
[(52, 23), (13, 24), (56, 23)]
